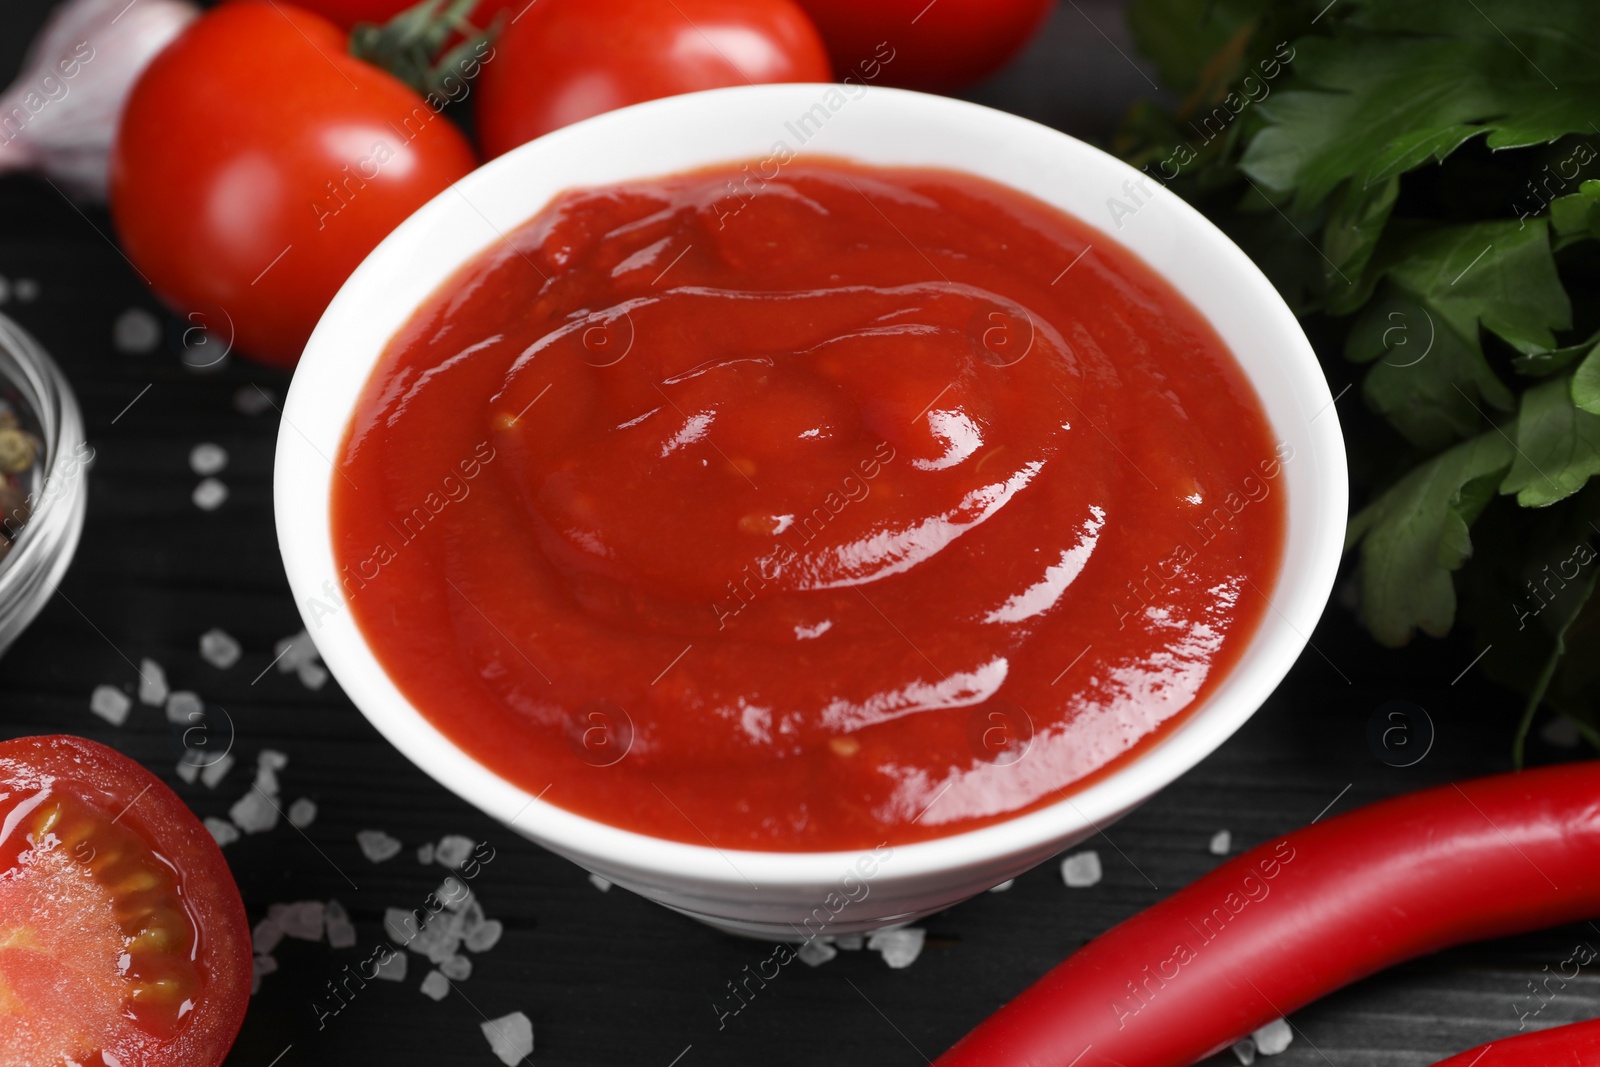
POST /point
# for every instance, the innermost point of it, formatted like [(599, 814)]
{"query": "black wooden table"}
[(608, 978)]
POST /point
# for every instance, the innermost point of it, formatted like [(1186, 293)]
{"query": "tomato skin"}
[(167, 825), (943, 45), (565, 60), (254, 136)]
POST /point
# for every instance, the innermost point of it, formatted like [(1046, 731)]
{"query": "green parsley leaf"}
[(1558, 445)]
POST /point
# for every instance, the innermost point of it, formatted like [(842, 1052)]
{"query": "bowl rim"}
[(1038, 832)]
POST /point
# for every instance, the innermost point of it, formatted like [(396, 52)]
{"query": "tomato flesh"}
[(104, 920)]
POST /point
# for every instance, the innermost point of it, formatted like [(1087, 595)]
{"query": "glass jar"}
[(42, 504)]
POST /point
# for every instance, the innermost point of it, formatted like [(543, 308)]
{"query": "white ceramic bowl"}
[(785, 895)]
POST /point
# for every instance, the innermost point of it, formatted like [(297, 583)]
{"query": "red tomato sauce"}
[(855, 505)]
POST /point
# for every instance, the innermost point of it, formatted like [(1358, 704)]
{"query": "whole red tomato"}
[(940, 45), (122, 936), (257, 164), (565, 60)]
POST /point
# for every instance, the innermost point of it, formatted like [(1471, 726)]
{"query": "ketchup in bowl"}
[(807, 512)]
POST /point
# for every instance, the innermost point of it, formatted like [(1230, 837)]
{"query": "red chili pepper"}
[(1575, 1045), (1286, 923)]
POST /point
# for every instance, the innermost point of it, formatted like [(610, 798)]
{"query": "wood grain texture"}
[(610, 979)]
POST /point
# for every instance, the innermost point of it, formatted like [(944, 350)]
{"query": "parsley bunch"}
[(1421, 180)]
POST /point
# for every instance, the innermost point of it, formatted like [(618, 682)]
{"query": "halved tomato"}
[(123, 940)]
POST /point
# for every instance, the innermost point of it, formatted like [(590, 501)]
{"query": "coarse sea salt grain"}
[(510, 1037), (222, 831), (484, 936), (272, 758), (1081, 869), (213, 771), (1274, 1037), (209, 495), (1244, 1050), (290, 652), (152, 683), (399, 925), (1003, 886), (452, 850), (1221, 843), (341, 931), (453, 893), (435, 985), (218, 648), (303, 812), (850, 942), (208, 458), (262, 965), (252, 399), (425, 853), (110, 703), (135, 332), (189, 766), (456, 968), (816, 952), (899, 948), (254, 813), (312, 675), (265, 935), (301, 920), (184, 707), (600, 883), (377, 846), (393, 969)]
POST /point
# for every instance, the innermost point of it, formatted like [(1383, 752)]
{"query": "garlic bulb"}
[(60, 116)]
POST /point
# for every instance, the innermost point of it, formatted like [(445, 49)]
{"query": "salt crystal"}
[(341, 931), (470, 917), (267, 780), (453, 893), (425, 853), (207, 458), (254, 813), (510, 1037), (189, 767), (439, 940), (272, 758), (1221, 843), (1003, 886), (1245, 1050), (219, 649), (850, 942), (265, 965), (302, 812), (452, 850), (399, 925), (184, 707), (252, 400), (312, 675), (899, 948), (435, 985), (484, 936), (266, 934), (377, 846), (816, 952), (303, 920), (209, 495), (152, 683), (1081, 869), (213, 772), (1274, 1037), (292, 651), (222, 831), (136, 332), (393, 969), (456, 968), (600, 883), (110, 703)]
